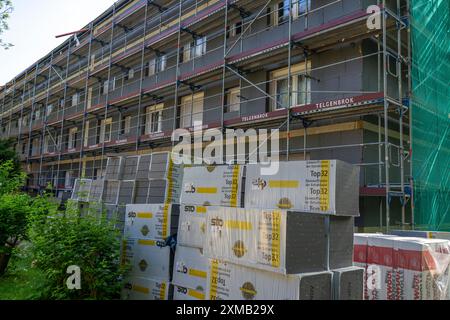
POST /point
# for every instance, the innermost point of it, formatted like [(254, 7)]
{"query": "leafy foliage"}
[(10, 180), (5, 10), (91, 243)]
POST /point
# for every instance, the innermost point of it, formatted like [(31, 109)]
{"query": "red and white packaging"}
[(421, 269)]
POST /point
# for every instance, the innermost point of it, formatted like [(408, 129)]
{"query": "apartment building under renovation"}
[(336, 85)]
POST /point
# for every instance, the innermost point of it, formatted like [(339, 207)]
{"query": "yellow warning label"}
[(197, 273), (145, 215), (165, 225), (240, 225), (285, 184), (325, 186), (276, 235), (196, 294), (147, 242), (162, 292), (203, 190), (201, 210), (235, 187), (214, 279), (141, 289)]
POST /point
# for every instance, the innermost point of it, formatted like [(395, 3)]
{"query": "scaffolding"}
[(151, 57)]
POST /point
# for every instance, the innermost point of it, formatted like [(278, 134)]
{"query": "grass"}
[(21, 281)]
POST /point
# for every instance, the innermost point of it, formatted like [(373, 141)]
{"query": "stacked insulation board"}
[(283, 237), (402, 268)]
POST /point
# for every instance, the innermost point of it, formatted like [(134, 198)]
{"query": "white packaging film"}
[(136, 288), (147, 259), (227, 281), (190, 269), (399, 268), (213, 186), (192, 226), (326, 187), (187, 294), (151, 222), (253, 238)]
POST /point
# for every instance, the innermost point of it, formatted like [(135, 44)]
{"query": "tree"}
[(5, 10), (7, 152)]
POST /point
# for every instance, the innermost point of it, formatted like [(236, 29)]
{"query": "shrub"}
[(14, 210), (91, 243)]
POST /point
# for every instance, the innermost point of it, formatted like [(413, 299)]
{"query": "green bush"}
[(91, 243), (14, 210)]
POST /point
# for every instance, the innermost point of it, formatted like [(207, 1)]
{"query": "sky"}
[(34, 25)]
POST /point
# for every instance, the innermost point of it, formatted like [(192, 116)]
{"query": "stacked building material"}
[(152, 218), (401, 268), (293, 231), (202, 187)]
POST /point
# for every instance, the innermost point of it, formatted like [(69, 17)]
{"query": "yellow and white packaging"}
[(190, 268), (263, 239), (192, 226), (147, 259), (151, 221), (187, 294), (327, 187), (146, 289), (213, 186)]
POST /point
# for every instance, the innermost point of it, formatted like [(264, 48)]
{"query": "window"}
[(301, 87), (109, 86), (191, 110), (194, 49), (61, 103), (156, 65), (105, 130), (129, 75), (300, 7), (36, 143), (92, 65), (233, 100), (68, 179), (235, 30), (25, 121), (24, 147), (153, 119), (72, 143), (74, 99), (86, 134), (126, 125), (186, 53), (49, 109), (46, 144), (37, 114)]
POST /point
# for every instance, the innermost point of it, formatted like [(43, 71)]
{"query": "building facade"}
[(324, 72)]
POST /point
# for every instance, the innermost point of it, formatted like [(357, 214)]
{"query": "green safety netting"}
[(430, 106)]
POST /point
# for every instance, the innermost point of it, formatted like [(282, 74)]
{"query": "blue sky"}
[(33, 26)]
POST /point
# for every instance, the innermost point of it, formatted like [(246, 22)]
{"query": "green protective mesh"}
[(430, 106)]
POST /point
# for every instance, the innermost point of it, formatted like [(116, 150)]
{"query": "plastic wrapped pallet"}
[(136, 288), (192, 226), (114, 168), (421, 234), (81, 190), (421, 269), (401, 268), (348, 283), (361, 252), (278, 240), (111, 191), (147, 259), (130, 167), (227, 281), (126, 191), (328, 187), (151, 221), (162, 167), (190, 268), (143, 167), (213, 186), (187, 294), (156, 191), (96, 190)]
